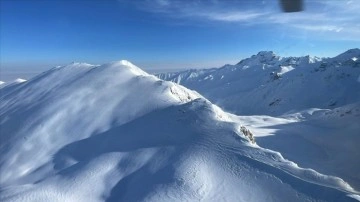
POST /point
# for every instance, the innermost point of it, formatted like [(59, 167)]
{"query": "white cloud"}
[(330, 28), (241, 16), (339, 17)]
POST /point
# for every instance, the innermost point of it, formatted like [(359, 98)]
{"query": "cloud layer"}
[(337, 19)]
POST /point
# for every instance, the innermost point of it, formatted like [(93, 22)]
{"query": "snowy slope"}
[(269, 84), (321, 139), (114, 133), (12, 83)]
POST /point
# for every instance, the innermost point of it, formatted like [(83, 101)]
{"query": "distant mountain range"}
[(269, 84)]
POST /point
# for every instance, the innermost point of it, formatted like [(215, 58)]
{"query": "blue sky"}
[(168, 34)]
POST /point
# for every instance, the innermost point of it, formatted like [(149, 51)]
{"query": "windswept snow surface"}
[(325, 140), (306, 108), (272, 85), (114, 133), (12, 83)]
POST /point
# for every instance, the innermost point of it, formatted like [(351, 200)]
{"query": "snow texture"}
[(307, 107), (112, 132)]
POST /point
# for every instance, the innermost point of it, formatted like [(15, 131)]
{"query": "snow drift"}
[(112, 132)]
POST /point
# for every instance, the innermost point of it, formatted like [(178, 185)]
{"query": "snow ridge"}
[(113, 132)]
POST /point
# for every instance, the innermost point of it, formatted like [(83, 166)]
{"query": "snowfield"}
[(112, 132), (307, 108), (267, 84), (315, 138)]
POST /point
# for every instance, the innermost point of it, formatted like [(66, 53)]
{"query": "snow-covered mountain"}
[(297, 88), (269, 84), (112, 132)]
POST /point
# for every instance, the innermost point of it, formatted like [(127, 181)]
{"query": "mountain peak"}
[(351, 53), (262, 57), (125, 63), (266, 57), (353, 50), (266, 53)]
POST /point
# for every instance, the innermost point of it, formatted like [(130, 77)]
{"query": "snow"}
[(66, 105), (2, 84), (112, 132), (19, 80), (357, 197), (285, 69), (272, 85), (316, 138), (306, 108), (12, 83)]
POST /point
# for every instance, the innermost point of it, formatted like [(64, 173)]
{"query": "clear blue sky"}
[(169, 34)]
